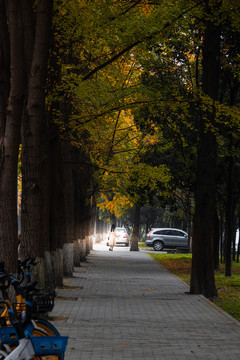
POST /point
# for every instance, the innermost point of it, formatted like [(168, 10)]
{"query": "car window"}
[(162, 232), (121, 230), (179, 233), (158, 232), (174, 233), (169, 232)]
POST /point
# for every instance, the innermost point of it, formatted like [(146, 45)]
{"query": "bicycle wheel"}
[(45, 326)]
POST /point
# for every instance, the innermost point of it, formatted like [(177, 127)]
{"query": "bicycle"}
[(40, 303), (23, 308), (29, 347)]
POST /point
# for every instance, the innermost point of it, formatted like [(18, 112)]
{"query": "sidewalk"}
[(124, 305)]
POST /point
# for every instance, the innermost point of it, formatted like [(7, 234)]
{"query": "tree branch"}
[(127, 10), (135, 43), (109, 61)]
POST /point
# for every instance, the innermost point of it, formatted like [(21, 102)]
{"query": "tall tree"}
[(202, 277), (11, 115), (35, 201)]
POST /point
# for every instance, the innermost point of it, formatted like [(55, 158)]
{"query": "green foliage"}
[(137, 115)]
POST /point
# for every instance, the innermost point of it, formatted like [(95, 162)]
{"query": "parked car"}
[(122, 236), (160, 238)]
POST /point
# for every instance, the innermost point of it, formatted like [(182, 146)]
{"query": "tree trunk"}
[(29, 32), (4, 70), (202, 277), (10, 131), (57, 206), (216, 241), (68, 189), (35, 203), (230, 215), (136, 225)]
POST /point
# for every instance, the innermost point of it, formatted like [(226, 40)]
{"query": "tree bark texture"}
[(57, 219), (49, 278), (136, 228), (11, 131), (68, 259), (82, 180), (29, 22), (216, 242), (202, 277), (68, 189), (4, 69), (76, 253), (35, 203), (82, 248), (230, 217), (57, 265)]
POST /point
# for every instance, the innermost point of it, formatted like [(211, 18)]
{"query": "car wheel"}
[(158, 246)]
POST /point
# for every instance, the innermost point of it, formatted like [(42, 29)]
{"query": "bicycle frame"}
[(31, 347), (23, 351)]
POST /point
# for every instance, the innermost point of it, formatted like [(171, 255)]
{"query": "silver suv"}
[(160, 238)]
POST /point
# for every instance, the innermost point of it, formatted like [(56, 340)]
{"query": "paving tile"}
[(124, 305)]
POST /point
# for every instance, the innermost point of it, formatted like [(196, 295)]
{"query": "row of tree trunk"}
[(54, 212)]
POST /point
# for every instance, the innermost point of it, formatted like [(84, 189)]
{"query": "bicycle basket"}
[(49, 345), (8, 334), (42, 303)]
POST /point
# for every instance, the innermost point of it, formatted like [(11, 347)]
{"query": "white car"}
[(122, 236)]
